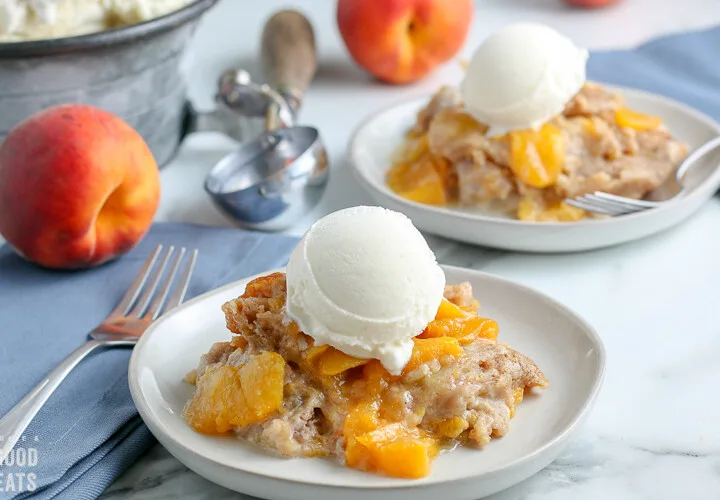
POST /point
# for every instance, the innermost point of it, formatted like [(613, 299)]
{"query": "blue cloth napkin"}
[(89, 431), (685, 67)]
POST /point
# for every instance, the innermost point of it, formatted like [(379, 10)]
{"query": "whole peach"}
[(401, 41), (78, 187), (591, 4)]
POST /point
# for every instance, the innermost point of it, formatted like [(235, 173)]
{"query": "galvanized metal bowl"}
[(135, 72)]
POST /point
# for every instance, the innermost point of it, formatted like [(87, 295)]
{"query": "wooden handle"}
[(288, 54)]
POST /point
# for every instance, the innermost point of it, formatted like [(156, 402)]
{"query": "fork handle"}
[(13, 425)]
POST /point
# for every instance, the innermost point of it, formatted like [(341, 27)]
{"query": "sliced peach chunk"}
[(537, 156), (418, 181), (399, 451), (333, 362), (466, 330), (487, 329), (625, 117), (238, 342), (356, 455), (433, 348), (532, 211), (432, 193), (444, 169), (262, 380), (588, 125), (218, 399), (376, 378), (518, 394), (229, 396), (551, 147), (362, 419), (449, 310), (413, 149), (528, 210), (452, 427), (399, 177), (443, 328), (313, 354)]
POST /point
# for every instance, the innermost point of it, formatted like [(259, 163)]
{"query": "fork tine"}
[(132, 294), (620, 206), (179, 294), (154, 310), (147, 295), (588, 206), (625, 201)]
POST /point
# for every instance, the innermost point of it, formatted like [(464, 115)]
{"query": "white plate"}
[(567, 349), (378, 136)]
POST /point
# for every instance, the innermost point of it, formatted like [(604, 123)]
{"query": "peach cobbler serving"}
[(386, 397), (525, 131)]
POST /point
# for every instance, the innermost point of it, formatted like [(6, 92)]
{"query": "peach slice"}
[(452, 427), (314, 353), (537, 157), (362, 419), (333, 362), (399, 451), (465, 330), (448, 310), (532, 211), (418, 181), (376, 378), (518, 394), (428, 194), (229, 396), (433, 348), (625, 117)]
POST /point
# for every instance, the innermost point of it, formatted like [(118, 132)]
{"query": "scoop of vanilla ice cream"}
[(364, 281), (522, 76)]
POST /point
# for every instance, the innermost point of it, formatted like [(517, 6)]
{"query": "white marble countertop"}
[(654, 433)]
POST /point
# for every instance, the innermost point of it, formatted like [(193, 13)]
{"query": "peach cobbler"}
[(595, 144), (271, 385)]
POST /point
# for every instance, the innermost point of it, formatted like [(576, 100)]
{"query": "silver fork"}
[(123, 327), (614, 205)]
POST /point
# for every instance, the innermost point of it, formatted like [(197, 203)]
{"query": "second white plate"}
[(376, 138)]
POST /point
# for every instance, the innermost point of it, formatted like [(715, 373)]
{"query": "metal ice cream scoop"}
[(270, 181)]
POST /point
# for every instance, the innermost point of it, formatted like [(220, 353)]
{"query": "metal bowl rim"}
[(115, 36), (284, 171)]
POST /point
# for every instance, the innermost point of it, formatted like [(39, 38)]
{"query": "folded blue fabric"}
[(89, 431), (685, 67)]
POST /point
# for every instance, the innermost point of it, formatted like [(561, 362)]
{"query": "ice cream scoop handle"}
[(288, 55)]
